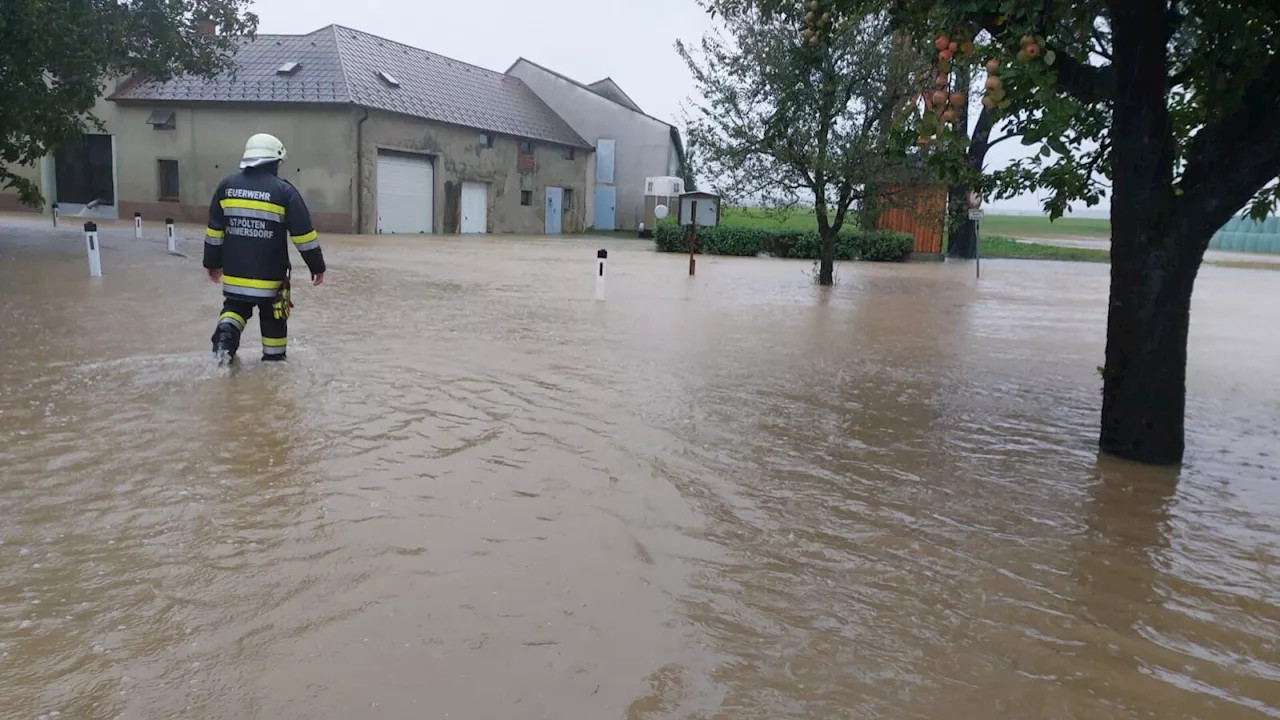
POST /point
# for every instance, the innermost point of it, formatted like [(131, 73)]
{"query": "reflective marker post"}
[(137, 225), (95, 252), (602, 256), (173, 241), (55, 214)]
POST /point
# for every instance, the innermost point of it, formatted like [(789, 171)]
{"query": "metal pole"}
[(977, 248), (693, 233)]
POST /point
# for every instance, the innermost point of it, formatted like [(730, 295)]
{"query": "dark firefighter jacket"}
[(252, 217)]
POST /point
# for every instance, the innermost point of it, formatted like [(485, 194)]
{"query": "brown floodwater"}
[(476, 492)]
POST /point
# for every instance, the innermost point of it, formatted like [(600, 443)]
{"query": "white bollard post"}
[(137, 225), (95, 252), (173, 241), (55, 214), (601, 257)]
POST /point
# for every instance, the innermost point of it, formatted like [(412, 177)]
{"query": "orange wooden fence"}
[(916, 211)]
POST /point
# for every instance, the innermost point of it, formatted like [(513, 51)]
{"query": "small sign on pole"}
[(975, 213)]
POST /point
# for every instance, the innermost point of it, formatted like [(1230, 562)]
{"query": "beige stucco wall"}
[(9, 195), (457, 158), (207, 142)]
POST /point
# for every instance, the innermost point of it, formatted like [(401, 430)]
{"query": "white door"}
[(406, 187), (475, 207)]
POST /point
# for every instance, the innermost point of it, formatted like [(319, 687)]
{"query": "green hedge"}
[(875, 246)]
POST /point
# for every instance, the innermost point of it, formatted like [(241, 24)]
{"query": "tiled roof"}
[(341, 65), (319, 78)]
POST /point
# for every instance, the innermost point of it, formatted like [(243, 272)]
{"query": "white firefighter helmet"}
[(262, 149)]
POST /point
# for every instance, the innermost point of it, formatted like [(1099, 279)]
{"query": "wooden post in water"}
[(693, 234)]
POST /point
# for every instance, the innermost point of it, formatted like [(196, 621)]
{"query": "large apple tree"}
[(56, 57), (1172, 107)]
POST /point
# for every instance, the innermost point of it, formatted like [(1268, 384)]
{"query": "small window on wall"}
[(526, 197), (169, 186), (526, 147), (568, 199), (162, 119), (568, 153), (486, 140)]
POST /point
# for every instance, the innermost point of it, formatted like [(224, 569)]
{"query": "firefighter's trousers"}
[(237, 313)]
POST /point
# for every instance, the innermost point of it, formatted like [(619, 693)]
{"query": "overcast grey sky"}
[(631, 41)]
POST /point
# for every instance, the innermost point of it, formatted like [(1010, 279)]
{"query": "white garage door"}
[(406, 186), (475, 207)]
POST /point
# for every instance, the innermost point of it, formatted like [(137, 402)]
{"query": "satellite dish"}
[(660, 211)]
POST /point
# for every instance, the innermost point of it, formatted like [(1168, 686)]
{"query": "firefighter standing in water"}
[(253, 216)]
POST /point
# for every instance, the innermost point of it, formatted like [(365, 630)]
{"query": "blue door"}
[(606, 207), (555, 201)]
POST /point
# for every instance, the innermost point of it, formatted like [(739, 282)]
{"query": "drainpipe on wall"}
[(360, 171)]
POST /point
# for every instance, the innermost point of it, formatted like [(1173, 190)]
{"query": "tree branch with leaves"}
[(57, 55)]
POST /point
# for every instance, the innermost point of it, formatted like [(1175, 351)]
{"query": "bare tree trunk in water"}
[(1154, 260), (1153, 272), (827, 265)]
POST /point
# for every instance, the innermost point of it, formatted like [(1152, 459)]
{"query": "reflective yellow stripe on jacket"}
[(249, 287), (235, 207), (306, 241)]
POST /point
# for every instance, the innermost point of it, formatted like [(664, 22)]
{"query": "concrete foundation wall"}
[(458, 157)]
